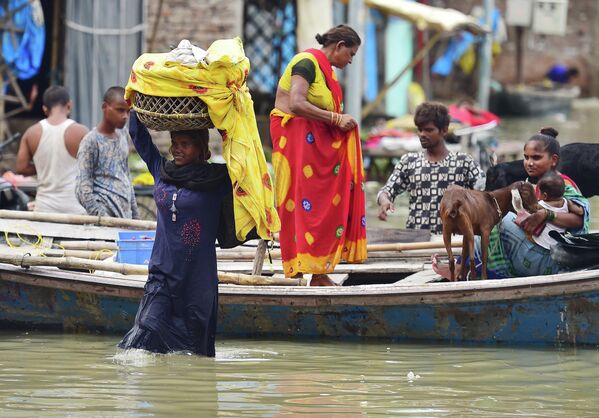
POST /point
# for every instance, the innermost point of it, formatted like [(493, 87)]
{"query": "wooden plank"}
[(378, 267), (259, 258), (420, 278), (49, 229)]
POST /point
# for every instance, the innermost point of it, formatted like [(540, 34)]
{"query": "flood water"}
[(66, 375), (84, 376)]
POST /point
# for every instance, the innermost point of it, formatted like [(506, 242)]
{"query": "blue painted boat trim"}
[(471, 314)]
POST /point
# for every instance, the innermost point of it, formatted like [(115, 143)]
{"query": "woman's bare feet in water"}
[(321, 280), (443, 269)]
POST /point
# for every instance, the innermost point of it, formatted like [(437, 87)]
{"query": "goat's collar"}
[(498, 208)]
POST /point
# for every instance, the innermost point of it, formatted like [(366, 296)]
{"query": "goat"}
[(472, 212)]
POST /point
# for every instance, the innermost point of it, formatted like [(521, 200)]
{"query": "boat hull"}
[(530, 101), (546, 310)]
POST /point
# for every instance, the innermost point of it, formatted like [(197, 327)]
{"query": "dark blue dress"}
[(178, 311)]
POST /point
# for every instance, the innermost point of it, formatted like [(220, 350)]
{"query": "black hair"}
[(56, 96), (200, 138), (340, 33), (113, 94), (432, 112), (573, 72), (547, 137), (552, 184)]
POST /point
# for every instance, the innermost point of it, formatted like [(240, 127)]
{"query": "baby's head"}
[(551, 186)]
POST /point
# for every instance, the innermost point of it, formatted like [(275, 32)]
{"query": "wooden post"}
[(259, 258), (2, 121), (519, 55), (485, 57)]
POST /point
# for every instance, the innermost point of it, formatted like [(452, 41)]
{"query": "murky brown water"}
[(63, 375), (84, 376)]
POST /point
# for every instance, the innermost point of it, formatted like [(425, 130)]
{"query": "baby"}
[(552, 187)]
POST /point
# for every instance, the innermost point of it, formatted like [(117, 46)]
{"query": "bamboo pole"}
[(135, 269), (91, 255), (77, 219), (88, 245), (371, 248), (427, 245), (372, 105)]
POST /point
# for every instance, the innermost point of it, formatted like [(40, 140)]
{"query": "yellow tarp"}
[(221, 84)]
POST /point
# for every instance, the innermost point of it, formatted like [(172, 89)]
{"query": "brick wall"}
[(541, 51), (200, 21)]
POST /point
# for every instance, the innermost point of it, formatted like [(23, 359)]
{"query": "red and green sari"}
[(319, 181)]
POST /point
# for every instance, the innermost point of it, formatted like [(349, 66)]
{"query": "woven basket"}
[(172, 113)]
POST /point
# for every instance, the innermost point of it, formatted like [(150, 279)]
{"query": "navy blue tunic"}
[(178, 311)]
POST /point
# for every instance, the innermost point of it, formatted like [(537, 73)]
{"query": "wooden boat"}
[(532, 100), (558, 309), (388, 297)]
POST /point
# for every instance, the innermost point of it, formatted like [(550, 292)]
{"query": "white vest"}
[(56, 172), (544, 240)]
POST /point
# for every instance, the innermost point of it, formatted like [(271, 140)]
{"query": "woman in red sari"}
[(319, 177)]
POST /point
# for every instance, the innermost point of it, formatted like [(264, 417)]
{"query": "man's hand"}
[(385, 205)]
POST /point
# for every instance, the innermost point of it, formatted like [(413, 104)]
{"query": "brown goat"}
[(472, 212)]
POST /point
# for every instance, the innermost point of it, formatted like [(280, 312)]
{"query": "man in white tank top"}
[(48, 149)]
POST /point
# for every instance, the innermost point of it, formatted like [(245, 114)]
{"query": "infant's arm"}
[(574, 208)]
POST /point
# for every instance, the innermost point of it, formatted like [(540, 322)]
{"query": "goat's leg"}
[(484, 248), (471, 254), (447, 242), (467, 250), (464, 269)]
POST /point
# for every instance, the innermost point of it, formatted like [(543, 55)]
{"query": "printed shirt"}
[(103, 182), (426, 182)]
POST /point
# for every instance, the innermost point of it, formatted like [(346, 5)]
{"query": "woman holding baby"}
[(519, 250)]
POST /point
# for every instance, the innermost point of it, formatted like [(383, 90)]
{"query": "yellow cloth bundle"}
[(220, 82)]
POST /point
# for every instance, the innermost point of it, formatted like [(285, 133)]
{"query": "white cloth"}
[(544, 240), (56, 172), (186, 54)]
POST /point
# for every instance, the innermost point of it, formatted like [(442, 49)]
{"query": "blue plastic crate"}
[(135, 247)]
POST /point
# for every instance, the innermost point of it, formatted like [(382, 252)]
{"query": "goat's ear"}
[(493, 159)]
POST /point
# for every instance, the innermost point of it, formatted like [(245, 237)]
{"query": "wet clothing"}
[(426, 182), (319, 180), (104, 185), (56, 172), (178, 311)]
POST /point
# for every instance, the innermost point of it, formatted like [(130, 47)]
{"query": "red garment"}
[(319, 181)]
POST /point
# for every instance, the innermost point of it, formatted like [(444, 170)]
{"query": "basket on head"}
[(171, 113)]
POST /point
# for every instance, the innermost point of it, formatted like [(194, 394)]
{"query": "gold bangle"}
[(339, 117), (332, 116)]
